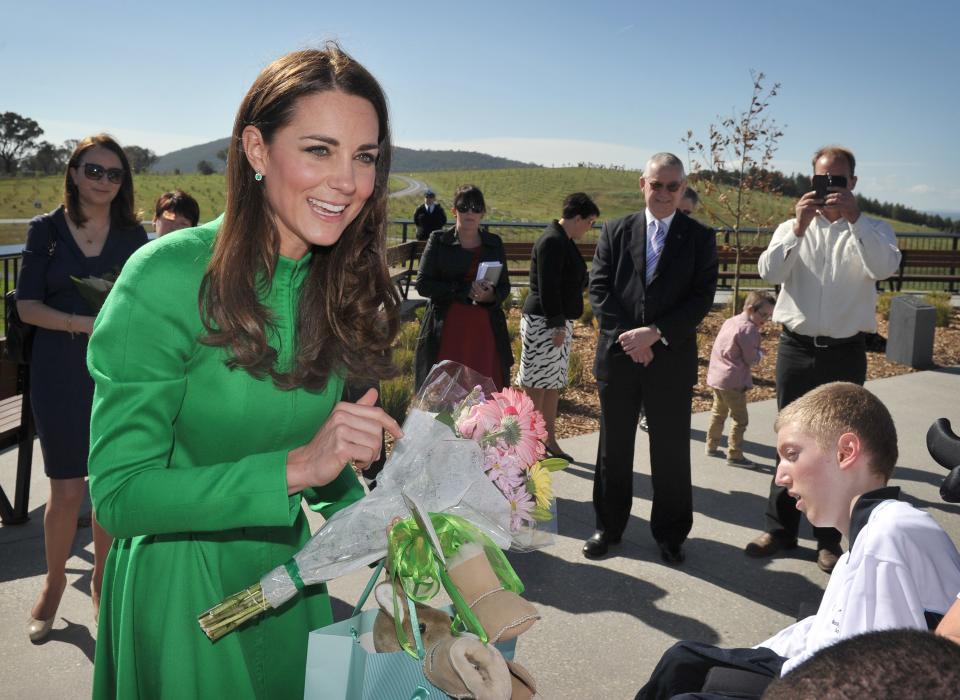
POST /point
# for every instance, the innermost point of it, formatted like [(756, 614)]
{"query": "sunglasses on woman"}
[(95, 171), (463, 208)]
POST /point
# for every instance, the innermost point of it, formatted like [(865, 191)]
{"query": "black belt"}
[(822, 341)]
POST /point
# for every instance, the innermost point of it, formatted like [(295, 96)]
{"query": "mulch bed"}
[(579, 411)]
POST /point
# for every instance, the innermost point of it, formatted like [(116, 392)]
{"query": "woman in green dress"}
[(219, 359)]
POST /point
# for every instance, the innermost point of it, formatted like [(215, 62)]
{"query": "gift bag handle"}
[(417, 652), (366, 591)]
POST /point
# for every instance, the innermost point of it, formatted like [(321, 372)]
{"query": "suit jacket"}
[(679, 297), (427, 222), (558, 276)]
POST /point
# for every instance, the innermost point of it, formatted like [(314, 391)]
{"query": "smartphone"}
[(822, 182)]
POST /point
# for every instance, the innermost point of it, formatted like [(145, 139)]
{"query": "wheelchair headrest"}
[(944, 446)]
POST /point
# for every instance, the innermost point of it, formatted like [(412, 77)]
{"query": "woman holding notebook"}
[(464, 319)]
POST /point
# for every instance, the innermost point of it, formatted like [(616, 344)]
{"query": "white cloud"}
[(922, 189), (550, 152)]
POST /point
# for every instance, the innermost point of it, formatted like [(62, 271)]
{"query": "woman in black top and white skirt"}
[(558, 276)]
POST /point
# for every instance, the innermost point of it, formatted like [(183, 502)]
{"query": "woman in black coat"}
[(558, 276), (464, 320)]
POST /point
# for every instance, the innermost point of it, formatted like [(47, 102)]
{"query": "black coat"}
[(428, 222), (558, 276), (441, 279), (676, 302)]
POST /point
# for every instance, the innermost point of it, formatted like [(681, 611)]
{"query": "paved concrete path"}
[(604, 623)]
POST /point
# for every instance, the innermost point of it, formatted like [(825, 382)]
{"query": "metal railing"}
[(402, 230)]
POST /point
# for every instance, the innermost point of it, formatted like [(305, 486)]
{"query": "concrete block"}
[(911, 331)]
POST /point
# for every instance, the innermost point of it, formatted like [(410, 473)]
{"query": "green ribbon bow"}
[(414, 565)]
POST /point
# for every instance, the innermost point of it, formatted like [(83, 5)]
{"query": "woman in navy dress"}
[(91, 235)]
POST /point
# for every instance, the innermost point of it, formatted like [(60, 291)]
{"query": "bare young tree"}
[(734, 166)]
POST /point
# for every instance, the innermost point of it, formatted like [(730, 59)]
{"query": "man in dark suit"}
[(653, 280), (429, 216)]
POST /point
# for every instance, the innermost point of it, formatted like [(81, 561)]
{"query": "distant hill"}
[(404, 159), (407, 159), (185, 160)]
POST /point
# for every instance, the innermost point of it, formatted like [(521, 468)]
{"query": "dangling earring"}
[(258, 176)]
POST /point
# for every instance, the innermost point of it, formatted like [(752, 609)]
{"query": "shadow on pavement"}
[(74, 634)]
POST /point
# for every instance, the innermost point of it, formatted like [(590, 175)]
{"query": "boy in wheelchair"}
[(838, 447)]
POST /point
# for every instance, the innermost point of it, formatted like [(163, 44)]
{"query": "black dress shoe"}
[(598, 544), (672, 553), (557, 453)]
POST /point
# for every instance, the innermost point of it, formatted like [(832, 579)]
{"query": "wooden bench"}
[(16, 430), (404, 258), (941, 266), (918, 265)]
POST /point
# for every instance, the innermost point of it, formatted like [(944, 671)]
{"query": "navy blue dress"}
[(61, 389)]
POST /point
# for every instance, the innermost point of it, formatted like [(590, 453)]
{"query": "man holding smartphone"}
[(827, 260)]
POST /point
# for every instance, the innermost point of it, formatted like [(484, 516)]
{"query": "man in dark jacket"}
[(429, 216), (653, 279)]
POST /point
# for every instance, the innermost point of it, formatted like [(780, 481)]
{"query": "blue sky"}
[(550, 82)]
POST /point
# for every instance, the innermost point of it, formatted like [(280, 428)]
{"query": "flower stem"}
[(232, 612)]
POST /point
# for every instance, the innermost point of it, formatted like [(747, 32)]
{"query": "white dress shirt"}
[(829, 275), (901, 564)]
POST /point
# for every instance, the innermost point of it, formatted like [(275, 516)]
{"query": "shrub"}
[(403, 359), (407, 337), (395, 396), (883, 305), (513, 328), (419, 312), (522, 294), (941, 302), (507, 302), (576, 370)]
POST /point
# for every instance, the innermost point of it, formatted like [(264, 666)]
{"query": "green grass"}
[(521, 194)]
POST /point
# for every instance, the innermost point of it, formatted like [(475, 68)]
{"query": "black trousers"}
[(801, 367), (683, 668), (666, 400)]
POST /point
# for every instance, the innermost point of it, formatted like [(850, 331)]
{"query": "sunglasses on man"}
[(463, 208), (95, 171), (671, 187)]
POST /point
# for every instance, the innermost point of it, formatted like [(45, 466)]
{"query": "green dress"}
[(188, 472)]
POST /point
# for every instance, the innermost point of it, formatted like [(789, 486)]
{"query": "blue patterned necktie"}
[(653, 256)]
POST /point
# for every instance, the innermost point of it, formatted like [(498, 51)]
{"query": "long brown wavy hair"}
[(122, 214), (348, 312)]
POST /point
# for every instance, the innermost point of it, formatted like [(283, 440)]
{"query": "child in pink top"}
[(735, 351)]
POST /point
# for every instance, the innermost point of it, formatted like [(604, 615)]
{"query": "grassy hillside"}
[(537, 195), (517, 194), (185, 160)]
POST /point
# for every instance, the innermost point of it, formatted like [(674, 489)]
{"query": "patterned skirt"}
[(542, 364)]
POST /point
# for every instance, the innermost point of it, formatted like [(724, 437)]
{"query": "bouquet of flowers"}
[(510, 431), (94, 290), (488, 472)]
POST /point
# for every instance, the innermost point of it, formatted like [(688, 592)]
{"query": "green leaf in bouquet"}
[(541, 514), (554, 464), (446, 418), (94, 290)]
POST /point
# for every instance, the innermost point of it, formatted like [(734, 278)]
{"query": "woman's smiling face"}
[(319, 169)]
